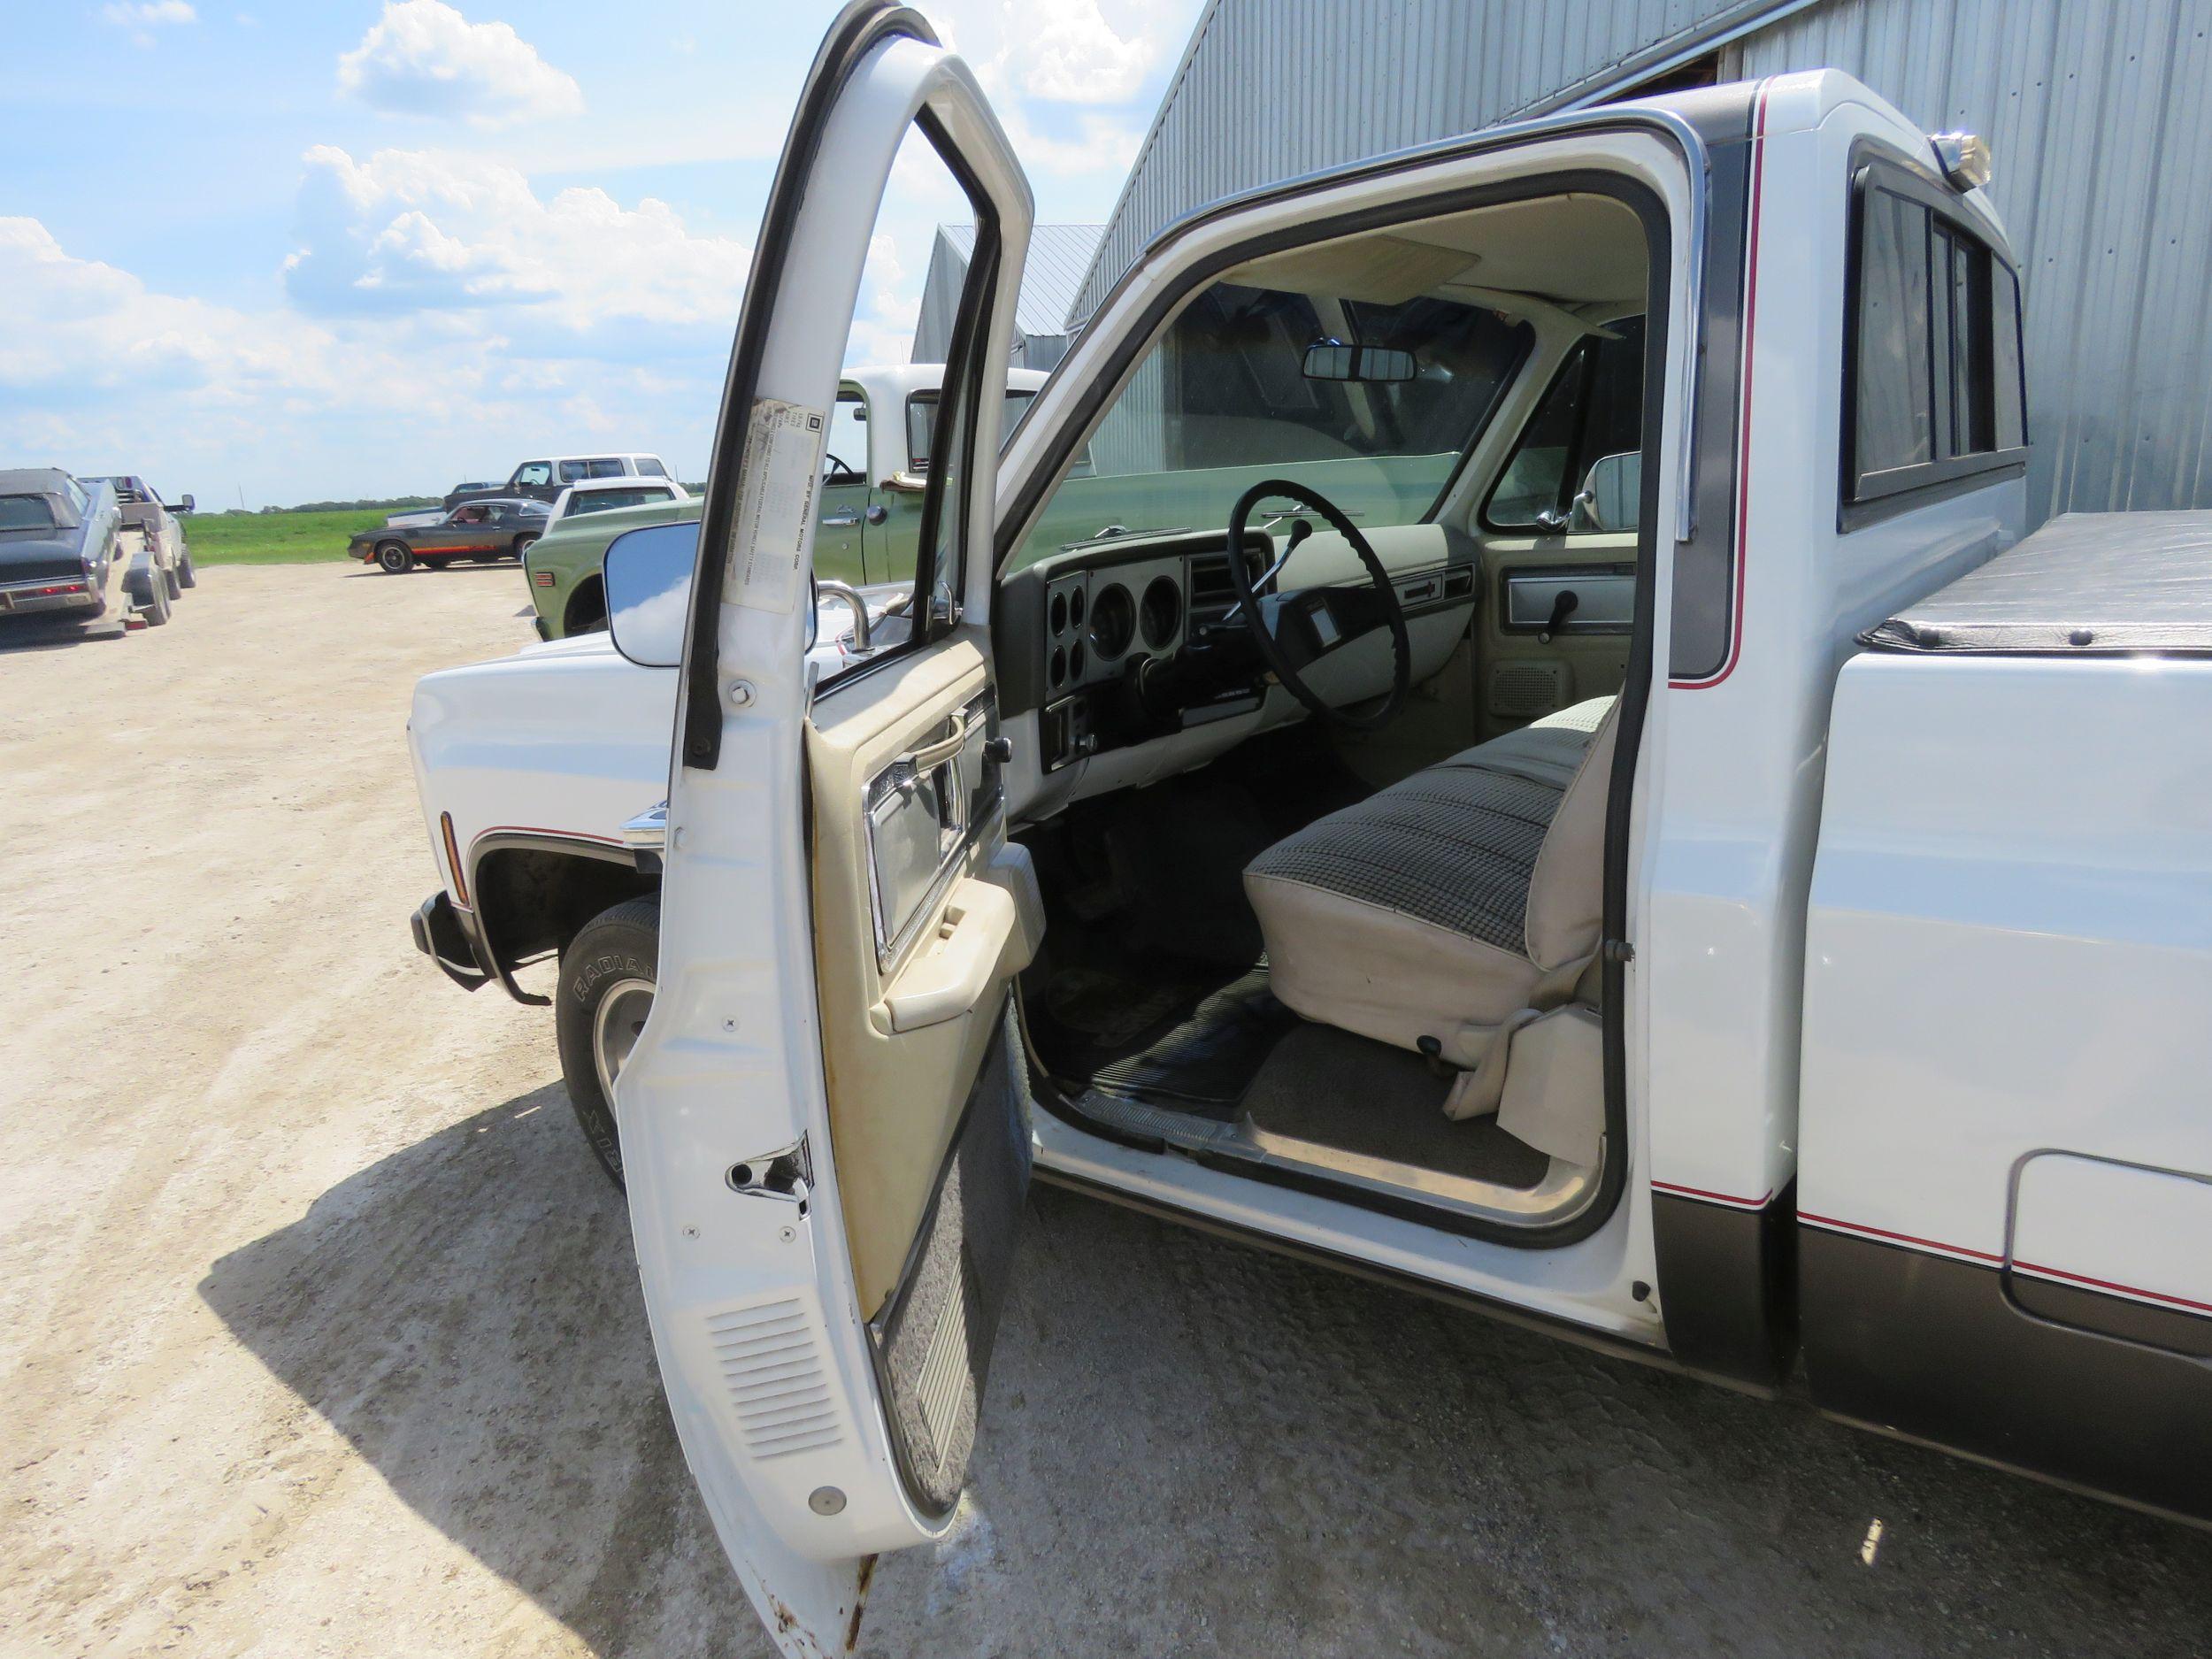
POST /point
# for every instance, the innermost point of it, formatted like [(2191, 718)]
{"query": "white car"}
[(605, 494), (1569, 798)]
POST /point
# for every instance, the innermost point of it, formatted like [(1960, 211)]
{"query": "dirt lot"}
[(321, 1333)]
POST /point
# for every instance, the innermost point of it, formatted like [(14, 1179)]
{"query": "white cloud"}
[(1065, 50), (148, 16), (100, 372), (423, 57), (143, 20), (420, 230), (77, 328)]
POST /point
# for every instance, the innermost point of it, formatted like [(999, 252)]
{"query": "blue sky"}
[(298, 252)]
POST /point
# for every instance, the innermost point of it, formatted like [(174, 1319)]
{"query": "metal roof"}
[(1058, 257)]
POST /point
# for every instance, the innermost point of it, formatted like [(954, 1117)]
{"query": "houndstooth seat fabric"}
[(1432, 908)]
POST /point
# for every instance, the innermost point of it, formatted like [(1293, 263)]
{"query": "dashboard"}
[(1128, 645)]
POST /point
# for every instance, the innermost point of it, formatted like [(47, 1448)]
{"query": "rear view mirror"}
[(647, 573), (1333, 360), (1612, 491)]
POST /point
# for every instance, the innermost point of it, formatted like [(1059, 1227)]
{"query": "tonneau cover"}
[(2086, 584)]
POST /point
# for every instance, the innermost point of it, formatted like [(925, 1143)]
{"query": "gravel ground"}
[(321, 1333)]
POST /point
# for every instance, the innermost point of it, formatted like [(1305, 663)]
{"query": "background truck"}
[(868, 502), (1797, 983)]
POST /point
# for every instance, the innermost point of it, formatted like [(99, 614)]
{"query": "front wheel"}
[(396, 558), (523, 544), (186, 577), (607, 975)]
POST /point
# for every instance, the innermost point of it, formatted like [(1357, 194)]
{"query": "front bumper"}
[(50, 593), (446, 936)]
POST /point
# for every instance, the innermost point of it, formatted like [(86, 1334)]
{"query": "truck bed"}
[(2097, 584)]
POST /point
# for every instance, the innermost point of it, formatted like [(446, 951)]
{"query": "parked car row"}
[(75, 547)]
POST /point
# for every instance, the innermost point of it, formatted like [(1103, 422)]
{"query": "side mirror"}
[(647, 573), (1612, 492), (1333, 360), (184, 504)]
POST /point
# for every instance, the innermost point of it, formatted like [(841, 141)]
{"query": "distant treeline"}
[(398, 503)]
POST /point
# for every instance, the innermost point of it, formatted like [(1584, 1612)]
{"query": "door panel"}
[(1522, 670), (888, 923), (841, 513)]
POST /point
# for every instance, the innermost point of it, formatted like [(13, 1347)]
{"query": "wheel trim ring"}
[(615, 1024)]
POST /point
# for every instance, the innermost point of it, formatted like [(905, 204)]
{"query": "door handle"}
[(929, 757), (843, 521)]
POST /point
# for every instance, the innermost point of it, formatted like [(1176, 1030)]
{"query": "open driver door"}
[(823, 1124)]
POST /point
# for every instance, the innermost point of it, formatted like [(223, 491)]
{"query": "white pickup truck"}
[(1598, 820)]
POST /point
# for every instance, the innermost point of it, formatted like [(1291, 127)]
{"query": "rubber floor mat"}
[(1179, 1036), (1323, 1085)]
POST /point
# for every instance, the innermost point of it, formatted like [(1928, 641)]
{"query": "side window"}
[(1933, 345), (647, 466), (921, 429), (1577, 468), (845, 452), (531, 474), (571, 471), (605, 467)]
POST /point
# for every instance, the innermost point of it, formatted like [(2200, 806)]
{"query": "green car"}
[(881, 430)]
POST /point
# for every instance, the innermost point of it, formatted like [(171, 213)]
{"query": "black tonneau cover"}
[(2087, 584)]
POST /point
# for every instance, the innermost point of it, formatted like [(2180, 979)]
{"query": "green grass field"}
[(275, 538)]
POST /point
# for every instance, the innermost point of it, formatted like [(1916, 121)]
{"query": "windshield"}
[(605, 500), (1231, 395), (26, 512)]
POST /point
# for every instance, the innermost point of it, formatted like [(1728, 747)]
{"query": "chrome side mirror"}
[(647, 574)]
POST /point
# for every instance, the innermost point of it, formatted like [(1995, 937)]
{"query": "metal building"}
[(1059, 255), (2100, 113)]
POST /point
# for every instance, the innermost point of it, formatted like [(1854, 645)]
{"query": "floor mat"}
[(1178, 1035), (1328, 1085)]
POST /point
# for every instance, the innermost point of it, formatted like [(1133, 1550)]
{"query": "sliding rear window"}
[(1933, 392)]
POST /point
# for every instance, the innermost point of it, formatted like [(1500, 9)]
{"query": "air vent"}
[(773, 1368), (1521, 691)]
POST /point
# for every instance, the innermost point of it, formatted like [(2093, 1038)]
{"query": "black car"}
[(478, 531), (57, 541)]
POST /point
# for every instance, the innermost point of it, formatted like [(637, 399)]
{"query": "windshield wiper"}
[(1116, 532)]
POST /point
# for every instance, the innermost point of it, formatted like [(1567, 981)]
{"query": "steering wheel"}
[(837, 466), (1318, 621)]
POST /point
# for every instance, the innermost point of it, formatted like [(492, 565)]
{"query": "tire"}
[(186, 577), (524, 543), (172, 584), (156, 612), (394, 559), (608, 973), (435, 564)]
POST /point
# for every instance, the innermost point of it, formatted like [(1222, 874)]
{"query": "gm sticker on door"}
[(783, 447)]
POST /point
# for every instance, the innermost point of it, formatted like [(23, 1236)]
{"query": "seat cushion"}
[(1409, 914)]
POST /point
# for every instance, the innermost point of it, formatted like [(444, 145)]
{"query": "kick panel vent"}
[(1521, 691), (945, 1373), (772, 1367)]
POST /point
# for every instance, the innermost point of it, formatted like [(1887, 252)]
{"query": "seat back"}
[(1566, 895)]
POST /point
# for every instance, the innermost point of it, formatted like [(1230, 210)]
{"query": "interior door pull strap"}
[(929, 757)]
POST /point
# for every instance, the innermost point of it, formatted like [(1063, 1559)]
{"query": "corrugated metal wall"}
[(1271, 89), (2099, 113)]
